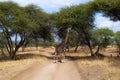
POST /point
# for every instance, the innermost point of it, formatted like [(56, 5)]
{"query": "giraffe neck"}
[(66, 38), (64, 41)]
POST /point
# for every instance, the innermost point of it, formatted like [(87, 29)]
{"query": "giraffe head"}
[(68, 30)]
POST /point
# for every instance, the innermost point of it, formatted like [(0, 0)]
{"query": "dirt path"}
[(67, 70), (80, 67), (51, 71)]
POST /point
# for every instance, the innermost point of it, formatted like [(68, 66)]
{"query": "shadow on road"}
[(50, 57)]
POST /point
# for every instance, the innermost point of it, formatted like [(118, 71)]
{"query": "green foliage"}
[(111, 8), (45, 33), (2, 40), (80, 19), (30, 23), (117, 38), (41, 18), (77, 16), (21, 22), (102, 37), (74, 15)]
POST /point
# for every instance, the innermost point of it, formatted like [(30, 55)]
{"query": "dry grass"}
[(9, 68), (91, 68), (97, 69), (106, 68)]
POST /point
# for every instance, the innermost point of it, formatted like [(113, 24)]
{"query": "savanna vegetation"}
[(30, 25), (24, 27)]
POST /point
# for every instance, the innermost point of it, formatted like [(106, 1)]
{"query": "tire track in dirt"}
[(25, 74), (80, 71), (67, 71), (51, 71)]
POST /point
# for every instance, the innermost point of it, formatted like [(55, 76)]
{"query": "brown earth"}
[(38, 65), (51, 71)]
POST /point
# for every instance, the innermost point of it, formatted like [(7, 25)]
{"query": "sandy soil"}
[(39, 65), (67, 70), (51, 71)]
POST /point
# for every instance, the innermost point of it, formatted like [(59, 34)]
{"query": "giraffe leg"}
[(59, 59), (69, 54), (55, 57), (64, 55)]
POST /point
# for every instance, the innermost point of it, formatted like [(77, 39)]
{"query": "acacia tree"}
[(117, 40), (81, 18), (15, 26), (101, 38), (2, 43), (42, 19), (110, 8)]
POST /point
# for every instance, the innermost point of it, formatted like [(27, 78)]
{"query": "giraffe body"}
[(60, 48)]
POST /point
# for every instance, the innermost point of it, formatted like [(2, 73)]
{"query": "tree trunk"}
[(88, 41), (97, 51), (2, 52), (23, 48), (36, 45), (13, 50), (119, 50), (76, 48), (91, 51), (66, 48), (12, 54)]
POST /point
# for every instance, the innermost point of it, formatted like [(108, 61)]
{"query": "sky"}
[(50, 6), (105, 22)]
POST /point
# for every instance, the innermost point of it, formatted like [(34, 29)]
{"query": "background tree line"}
[(81, 18), (20, 26)]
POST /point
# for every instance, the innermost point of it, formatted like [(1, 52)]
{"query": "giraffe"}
[(60, 48)]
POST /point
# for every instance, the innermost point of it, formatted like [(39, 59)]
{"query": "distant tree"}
[(43, 21), (2, 43), (15, 26), (80, 18), (117, 40), (102, 38)]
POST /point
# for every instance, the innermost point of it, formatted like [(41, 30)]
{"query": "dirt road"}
[(52, 71), (67, 70), (76, 68)]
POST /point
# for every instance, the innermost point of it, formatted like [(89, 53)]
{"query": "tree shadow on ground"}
[(73, 58), (92, 58), (32, 56), (25, 56), (115, 61)]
